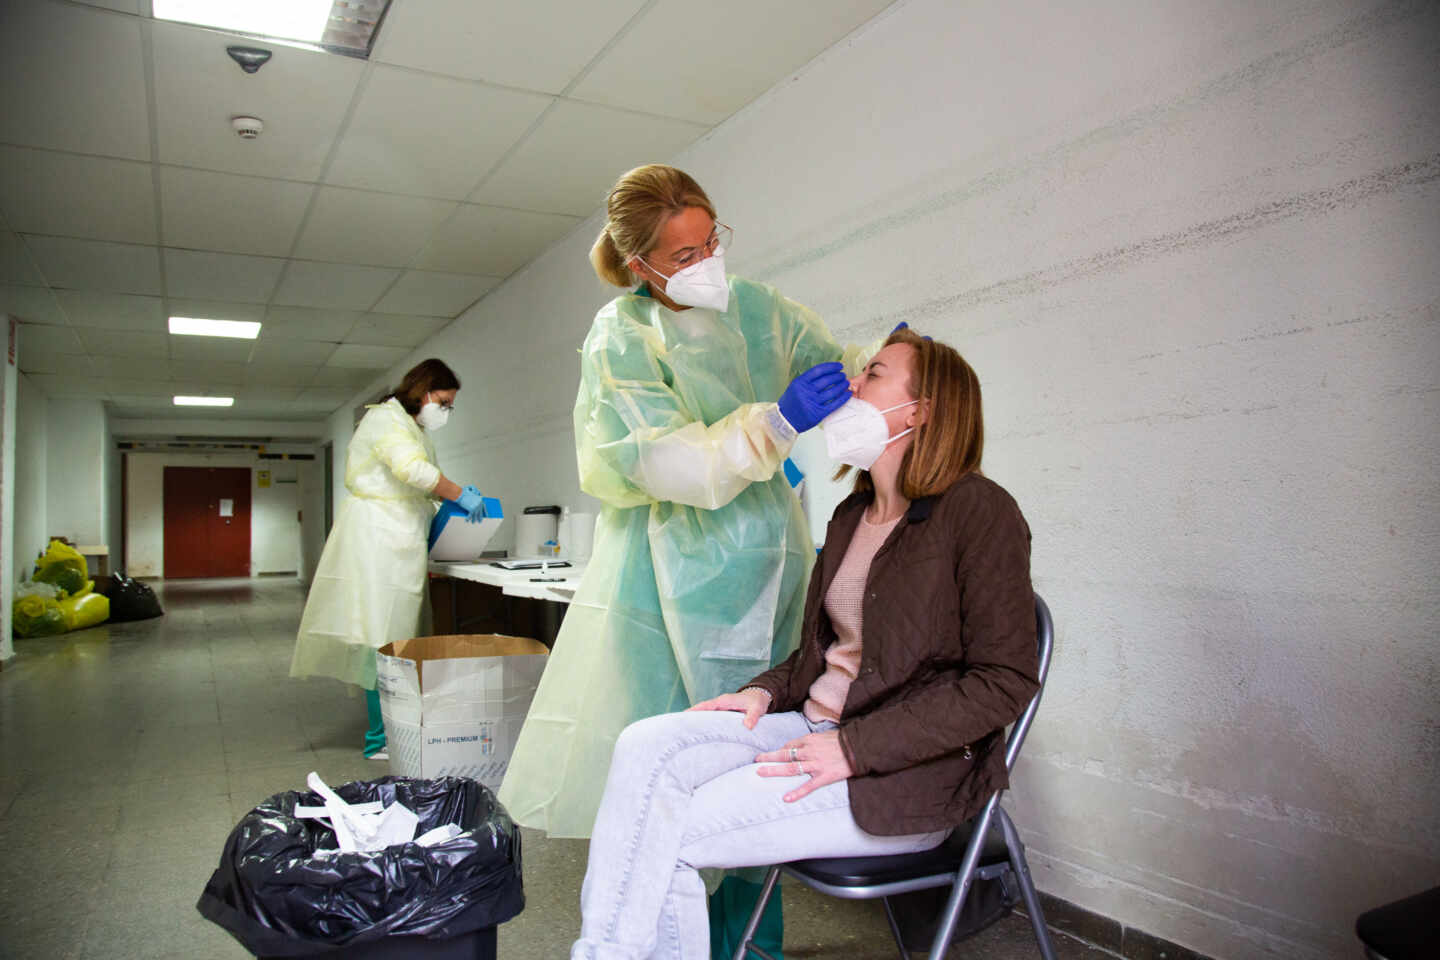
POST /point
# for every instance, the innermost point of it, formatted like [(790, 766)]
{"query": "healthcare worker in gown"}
[(370, 586), (694, 386)]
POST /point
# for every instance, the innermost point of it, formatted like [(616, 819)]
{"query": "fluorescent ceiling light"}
[(286, 19), (200, 327), (340, 26), (204, 401)]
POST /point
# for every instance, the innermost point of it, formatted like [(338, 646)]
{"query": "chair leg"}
[(1021, 866), (964, 879), (895, 929), (746, 947)]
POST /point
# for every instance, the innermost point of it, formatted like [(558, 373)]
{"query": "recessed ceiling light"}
[(204, 401), (341, 26), (200, 327)]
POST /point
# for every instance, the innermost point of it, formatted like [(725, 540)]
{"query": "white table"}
[(555, 586)]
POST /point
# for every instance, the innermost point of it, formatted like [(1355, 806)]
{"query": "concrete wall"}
[(275, 533), (31, 472), (1191, 250), (9, 392), (76, 465)]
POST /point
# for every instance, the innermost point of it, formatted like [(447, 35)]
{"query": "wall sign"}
[(262, 478)]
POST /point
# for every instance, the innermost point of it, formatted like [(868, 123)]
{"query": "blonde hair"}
[(637, 209), (950, 442)]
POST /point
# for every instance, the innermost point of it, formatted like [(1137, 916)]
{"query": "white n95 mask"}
[(432, 416), (857, 433), (700, 284)]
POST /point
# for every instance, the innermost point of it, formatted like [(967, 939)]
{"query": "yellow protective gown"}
[(370, 586), (701, 555)]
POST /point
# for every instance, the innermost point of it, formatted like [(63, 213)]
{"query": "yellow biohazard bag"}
[(37, 616), (63, 566), (85, 610)]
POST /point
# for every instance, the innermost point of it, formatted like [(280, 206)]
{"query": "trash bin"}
[(284, 889)]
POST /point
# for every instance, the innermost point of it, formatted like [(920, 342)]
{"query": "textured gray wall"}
[(1193, 249)]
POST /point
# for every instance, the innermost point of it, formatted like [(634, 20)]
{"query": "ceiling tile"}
[(332, 395), (365, 357), (429, 136), (268, 393), (279, 377), (462, 38), (492, 240), (31, 304), (291, 352), (431, 294), (302, 323), (16, 264), (70, 386), (48, 338), (46, 362), (357, 226), (94, 265), (155, 369), (198, 89), (349, 378), (135, 389), (234, 214), (74, 80), (395, 331), (118, 311), (755, 45), (201, 350), (572, 159), (332, 285), (200, 275), (61, 194), (124, 343), (209, 371)]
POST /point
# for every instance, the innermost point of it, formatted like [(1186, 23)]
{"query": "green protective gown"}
[(701, 555)]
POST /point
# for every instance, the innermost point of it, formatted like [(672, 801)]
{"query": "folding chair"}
[(971, 851)]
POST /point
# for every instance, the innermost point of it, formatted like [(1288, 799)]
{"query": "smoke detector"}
[(248, 128)]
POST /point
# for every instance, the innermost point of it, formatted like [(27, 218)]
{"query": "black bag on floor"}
[(129, 599), (274, 894), (918, 914)]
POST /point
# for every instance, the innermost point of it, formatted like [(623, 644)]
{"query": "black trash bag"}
[(917, 914), (129, 599), (274, 894)]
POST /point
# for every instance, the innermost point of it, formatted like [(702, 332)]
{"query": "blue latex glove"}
[(472, 502), (814, 395), (902, 325)]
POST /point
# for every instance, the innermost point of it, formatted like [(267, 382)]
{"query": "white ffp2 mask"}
[(432, 416), (857, 433), (700, 284)]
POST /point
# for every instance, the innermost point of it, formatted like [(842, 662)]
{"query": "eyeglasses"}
[(719, 239)]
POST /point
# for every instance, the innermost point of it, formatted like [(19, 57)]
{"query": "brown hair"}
[(425, 376), (949, 443), (637, 209)]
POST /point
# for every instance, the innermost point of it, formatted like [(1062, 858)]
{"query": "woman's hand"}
[(818, 754), (753, 703)]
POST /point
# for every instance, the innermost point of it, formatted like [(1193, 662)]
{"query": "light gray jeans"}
[(683, 794)]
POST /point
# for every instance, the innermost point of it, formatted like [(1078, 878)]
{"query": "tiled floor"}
[(128, 751)]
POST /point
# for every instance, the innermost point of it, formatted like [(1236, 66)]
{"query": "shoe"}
[(379, 755)]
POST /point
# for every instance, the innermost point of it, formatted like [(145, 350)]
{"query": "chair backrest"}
[(1045, 642)]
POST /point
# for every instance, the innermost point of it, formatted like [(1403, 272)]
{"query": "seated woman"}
[(883, 731)]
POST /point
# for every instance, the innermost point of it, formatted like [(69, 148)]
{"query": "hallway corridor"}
[(127, 752)]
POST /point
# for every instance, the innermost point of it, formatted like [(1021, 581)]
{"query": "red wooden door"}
[(207, 522)]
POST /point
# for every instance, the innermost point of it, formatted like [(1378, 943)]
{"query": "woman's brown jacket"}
[(948, 656)]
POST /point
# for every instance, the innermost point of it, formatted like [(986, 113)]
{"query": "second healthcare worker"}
[(694, 386), (370, 586)]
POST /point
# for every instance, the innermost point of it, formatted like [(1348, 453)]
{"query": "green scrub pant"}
[(375, 735), (730, 908)]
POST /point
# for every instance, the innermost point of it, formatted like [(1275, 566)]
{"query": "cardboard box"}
[(454, 705)]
